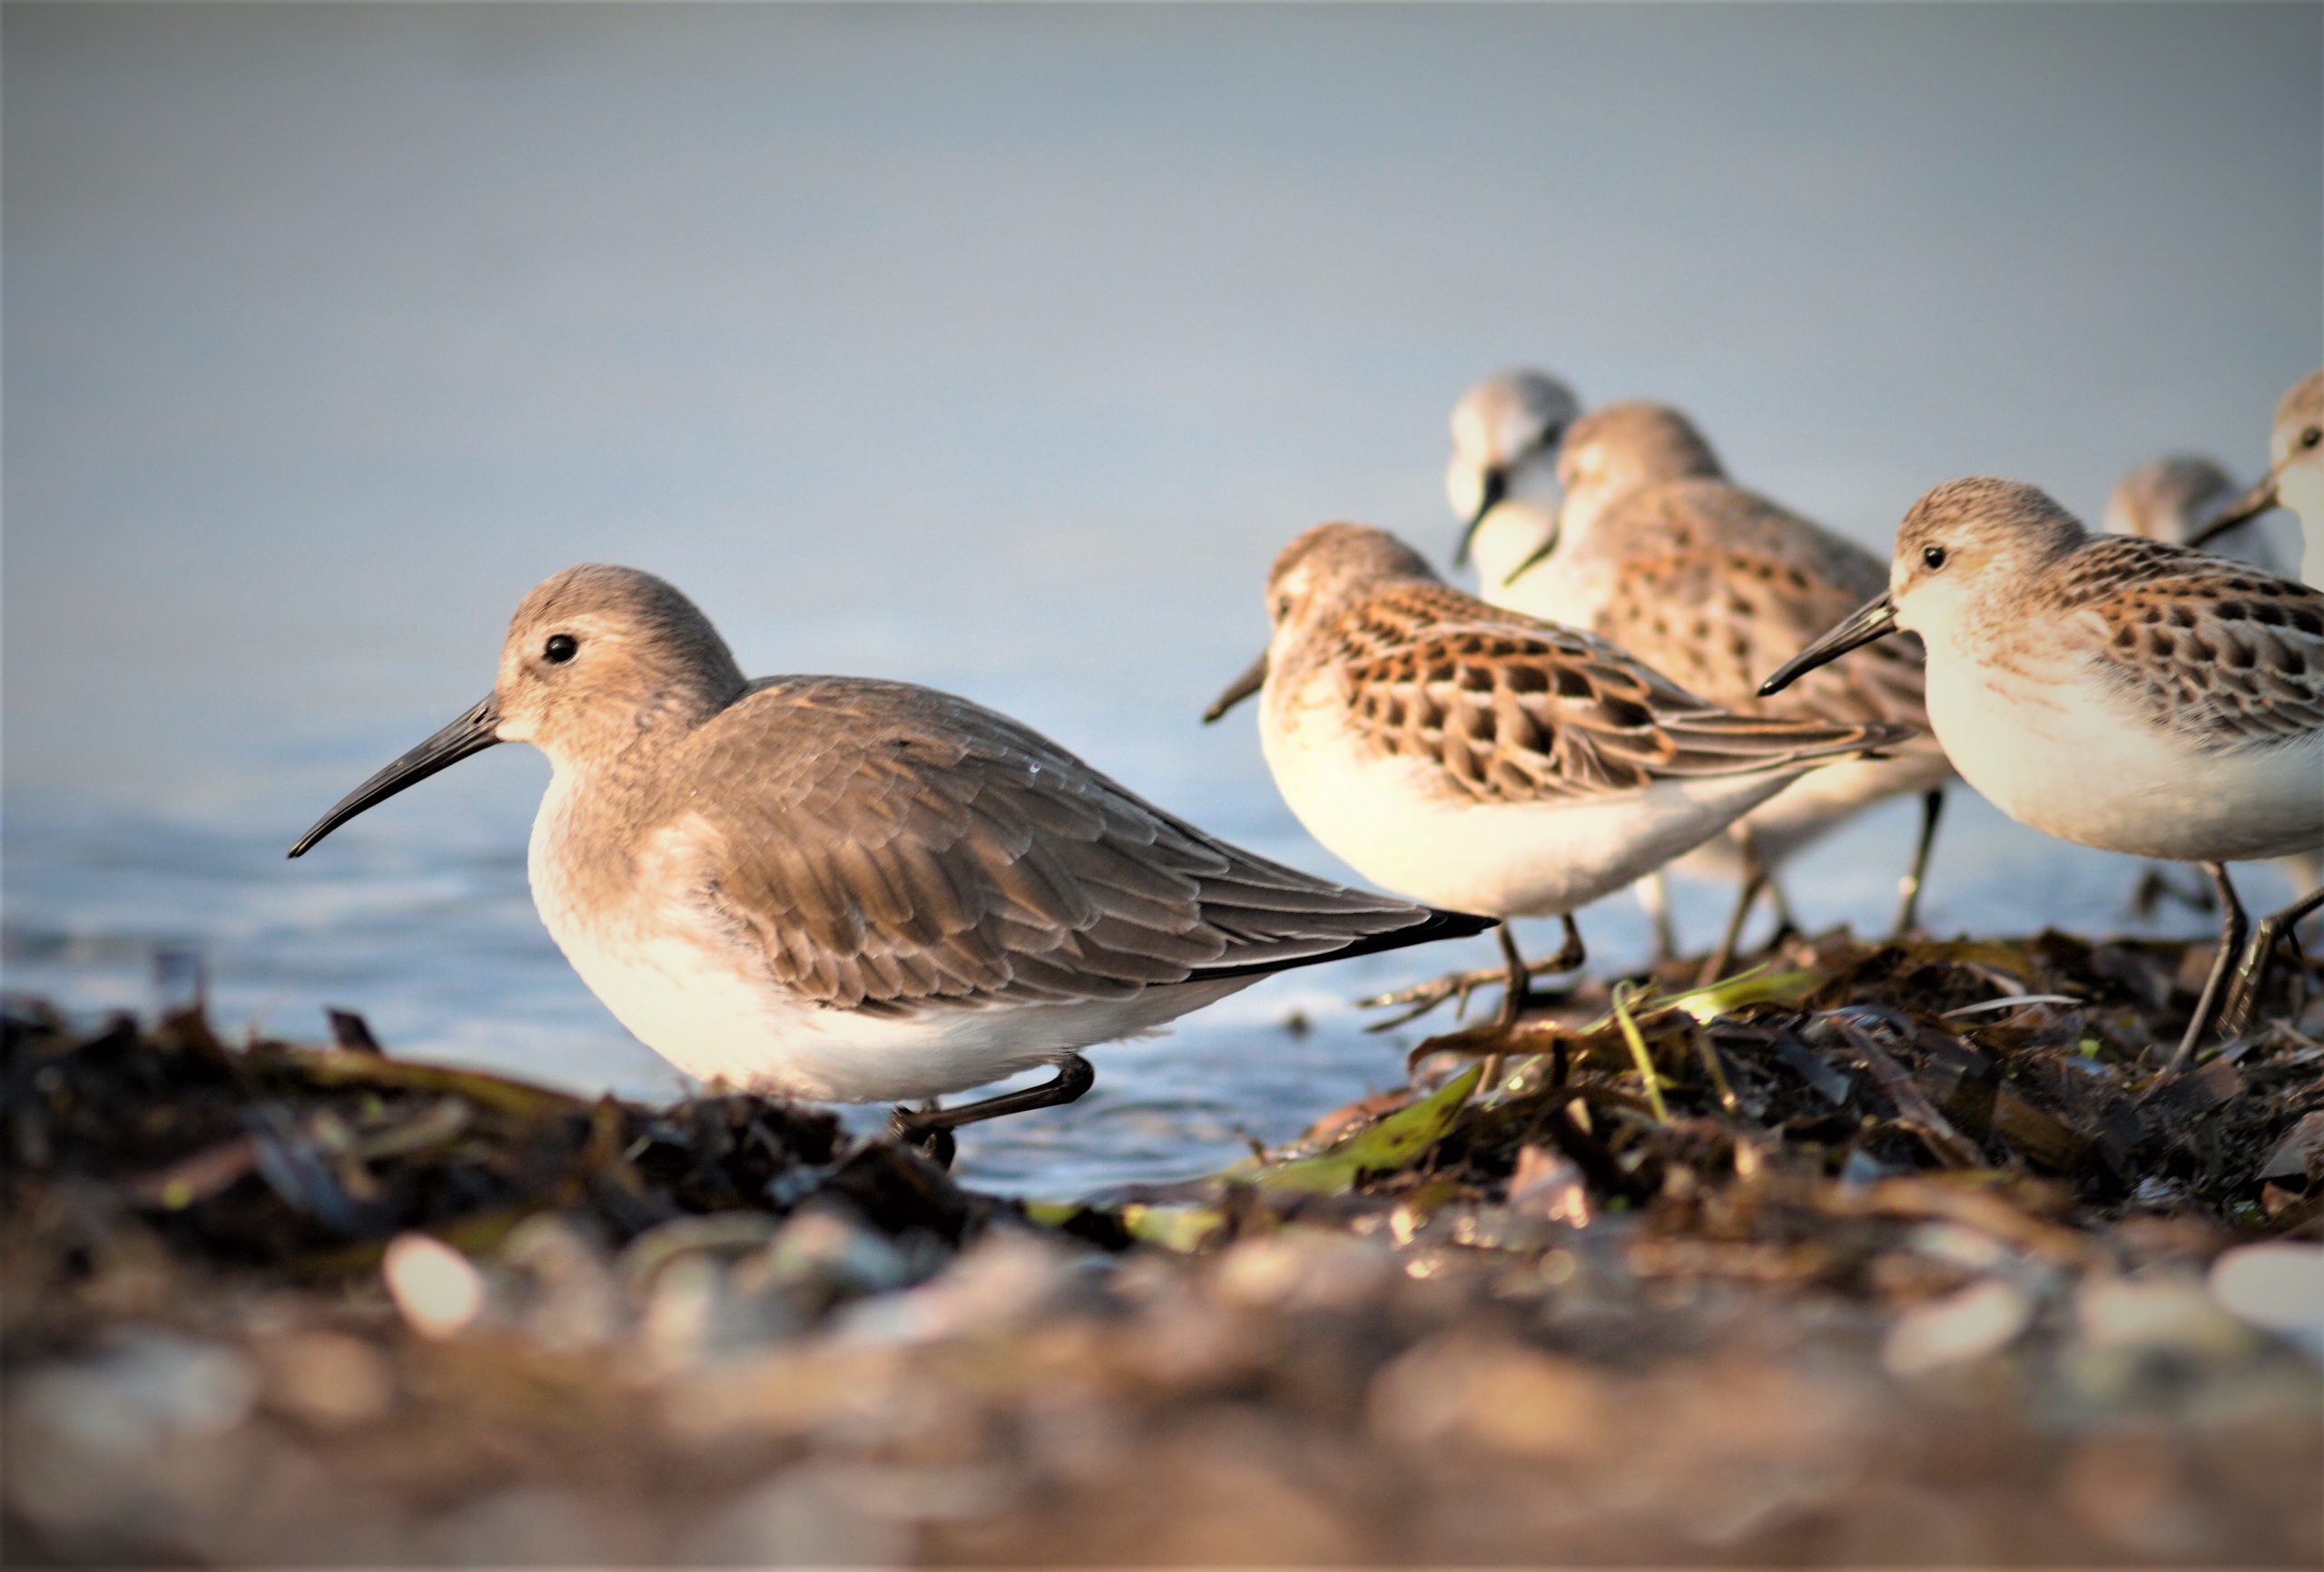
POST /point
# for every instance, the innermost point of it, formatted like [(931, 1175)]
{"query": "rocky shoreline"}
[(1897, 1253)]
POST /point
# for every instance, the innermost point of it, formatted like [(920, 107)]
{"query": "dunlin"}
[(2115, 692), (2294, 477), (855, 891), (1655, 550), (1466, 755)]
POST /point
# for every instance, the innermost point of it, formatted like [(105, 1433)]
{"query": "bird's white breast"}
[(2047, 743)]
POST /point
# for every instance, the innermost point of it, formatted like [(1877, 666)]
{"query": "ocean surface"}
[(998, 349)]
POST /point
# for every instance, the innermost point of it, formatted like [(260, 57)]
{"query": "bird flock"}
[(850, 890)]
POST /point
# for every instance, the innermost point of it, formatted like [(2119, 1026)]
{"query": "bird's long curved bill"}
[(473, 733), (1875, 619), (2251, 505), (1240, 689), (1496, 487)]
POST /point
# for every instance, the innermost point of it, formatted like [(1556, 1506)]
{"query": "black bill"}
[(2251, 505), (473, 733), (1496, 489), (1549, 544), (1240, 689), (1875, 619)]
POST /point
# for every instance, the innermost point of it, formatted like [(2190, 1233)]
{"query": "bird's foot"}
[(1423, 997), (908, 1128)]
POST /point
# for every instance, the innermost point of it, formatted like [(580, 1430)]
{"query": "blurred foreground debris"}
[(1903, 1254)]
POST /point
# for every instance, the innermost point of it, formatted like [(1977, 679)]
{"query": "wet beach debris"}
[(311, 1161), (1908, 1255), (2011, 1086)]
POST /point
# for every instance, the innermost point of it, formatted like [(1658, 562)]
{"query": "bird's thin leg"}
[(1787, 925), (1908, 890), (1425, 996), (1514, 993), (1517, 990), (2251, 971), (1075, 1076), (1654, 894), (2235, 925), (1755, 879)]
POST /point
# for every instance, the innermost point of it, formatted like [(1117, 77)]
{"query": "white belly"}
[(683, 985), (1391, 821), (2060, 758), (699, 1008)]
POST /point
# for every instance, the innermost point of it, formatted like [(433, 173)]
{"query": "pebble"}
[(824, 1256), (144, 1390), (1303, 1269), (1006, 1278), (327, 1379), (1491, 1393), (2278, 1286), (571, 1298), (437, 1288), (1974, 1322)]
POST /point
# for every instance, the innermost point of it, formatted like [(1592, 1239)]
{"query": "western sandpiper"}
[(2174, 499), (2116, 691), (855, 891), (1464, 754), (1655, 550), (2294, 477), (1503, 479)]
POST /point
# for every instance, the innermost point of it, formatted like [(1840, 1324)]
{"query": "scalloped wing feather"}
[(1717, 586), (2219, 652), (1513, 710)]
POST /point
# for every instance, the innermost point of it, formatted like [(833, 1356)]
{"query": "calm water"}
[(998, 350)]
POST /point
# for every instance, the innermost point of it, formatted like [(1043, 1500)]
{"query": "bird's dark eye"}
[(2311, 436), (1932, 557), (560, 648)]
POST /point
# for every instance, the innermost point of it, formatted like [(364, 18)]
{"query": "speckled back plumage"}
[(1717, 586), (2213, 651), (2228, 656), (1513, 710)]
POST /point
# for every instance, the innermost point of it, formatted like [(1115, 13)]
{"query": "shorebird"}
[(2294, 477), (1655, 550), (1503, 479), (1464, 755), (2174, 499), (853, 890), (2115, 692)]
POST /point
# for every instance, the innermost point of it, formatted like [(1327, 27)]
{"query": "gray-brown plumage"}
[(890, 848), (854, 889)]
